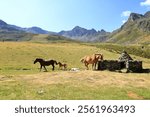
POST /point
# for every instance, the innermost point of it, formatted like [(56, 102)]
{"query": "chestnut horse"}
[(64, 65), (44, 63), (93, 59)]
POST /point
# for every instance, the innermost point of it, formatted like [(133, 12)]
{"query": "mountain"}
[(15, 33), (82, 34), (5, 27), (2, 23), (34, 30), (135, 30), (7, 32)]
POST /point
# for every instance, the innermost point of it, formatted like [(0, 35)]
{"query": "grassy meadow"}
[(21, 79)]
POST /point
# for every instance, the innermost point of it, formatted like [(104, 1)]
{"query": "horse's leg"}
[(45, 68), (65, 67), (40, 67), (53, 67), (93, 66), (86, 64)]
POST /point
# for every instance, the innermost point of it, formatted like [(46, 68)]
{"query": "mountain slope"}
[(135, 30), (8, 33), (15, 33)]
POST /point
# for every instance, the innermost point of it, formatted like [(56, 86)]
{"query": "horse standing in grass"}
[(44, 63), (64, 65), (93, 59)]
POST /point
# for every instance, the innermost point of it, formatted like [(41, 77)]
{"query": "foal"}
[(62, 65)]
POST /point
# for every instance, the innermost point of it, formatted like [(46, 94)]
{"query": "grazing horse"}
[(64, 65), (93, 59), (44, 63)]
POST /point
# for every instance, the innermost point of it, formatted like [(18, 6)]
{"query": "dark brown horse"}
[(44, 63)]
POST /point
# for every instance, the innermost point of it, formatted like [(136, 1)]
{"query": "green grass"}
[(66, 91), (21, 79), (18, 57), (23, 89), (138, 50)]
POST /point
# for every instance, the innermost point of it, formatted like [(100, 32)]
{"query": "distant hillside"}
[(8, 33), (135, 30), (15, 33), (34, 30), (82, 34)]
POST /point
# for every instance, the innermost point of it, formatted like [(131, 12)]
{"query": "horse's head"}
[(99, 56), (38, 60), (58, 63)]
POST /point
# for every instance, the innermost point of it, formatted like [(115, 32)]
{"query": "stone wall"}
[(134, 66), (112, 65)]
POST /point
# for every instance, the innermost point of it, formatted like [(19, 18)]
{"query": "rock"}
[(125, 57), (135, 16), (75, 69)]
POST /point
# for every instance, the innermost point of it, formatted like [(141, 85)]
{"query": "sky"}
[(57, 15)]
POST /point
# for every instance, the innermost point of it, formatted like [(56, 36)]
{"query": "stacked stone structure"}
[(124, 61)]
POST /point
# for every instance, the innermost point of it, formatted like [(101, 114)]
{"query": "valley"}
[(21, 79)]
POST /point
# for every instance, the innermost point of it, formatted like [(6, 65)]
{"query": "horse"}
[(64, 65), (93, 59), (44, 63)]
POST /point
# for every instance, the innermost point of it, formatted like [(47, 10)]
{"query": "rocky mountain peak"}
[(77, 27), (2, 23), (135, 16), (147, 14)]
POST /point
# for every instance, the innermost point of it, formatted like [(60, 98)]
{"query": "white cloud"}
[(125, 13), (123, 21), (146, 3)]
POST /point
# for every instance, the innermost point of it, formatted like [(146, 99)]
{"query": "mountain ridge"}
[(135, 30), (77, 33), (82, 34)]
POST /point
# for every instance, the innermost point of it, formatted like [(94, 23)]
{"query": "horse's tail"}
[(82, 60), (55, 62)]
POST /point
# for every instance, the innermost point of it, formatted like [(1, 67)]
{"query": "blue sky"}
[(57, 15)]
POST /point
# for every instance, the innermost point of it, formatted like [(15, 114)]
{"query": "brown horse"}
[(44, 63), (64, 65), (93, 59)]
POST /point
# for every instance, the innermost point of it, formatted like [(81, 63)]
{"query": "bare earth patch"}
[(88, 77), (134, 95), (86, 84)]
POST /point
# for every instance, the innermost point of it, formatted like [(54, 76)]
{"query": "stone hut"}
[(124, 61)]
